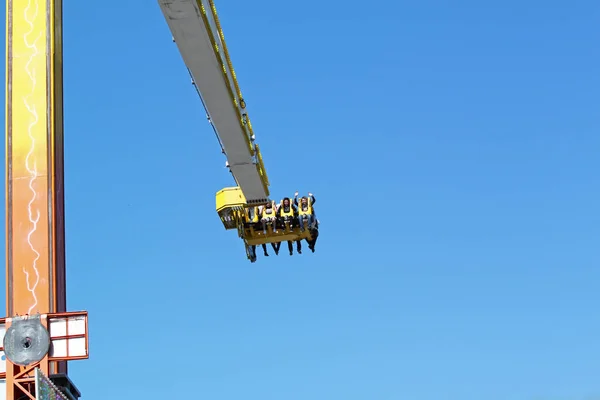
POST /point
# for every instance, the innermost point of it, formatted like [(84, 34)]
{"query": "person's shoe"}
[(291, 253), (299, 251), (266, 254)]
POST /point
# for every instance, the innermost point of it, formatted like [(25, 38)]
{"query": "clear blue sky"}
[(453, 151)]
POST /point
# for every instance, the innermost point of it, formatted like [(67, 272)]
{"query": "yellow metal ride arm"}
[(197, 32)]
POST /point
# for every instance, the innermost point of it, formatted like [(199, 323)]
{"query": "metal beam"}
[(202, 48), (35, 264)]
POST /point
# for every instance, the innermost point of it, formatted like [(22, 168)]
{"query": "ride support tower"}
[(39, 335)]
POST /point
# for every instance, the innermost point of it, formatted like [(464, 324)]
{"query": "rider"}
[(269, 216), (314, 233), (253, 216), (305, 210), (287, 212), (253, 219)]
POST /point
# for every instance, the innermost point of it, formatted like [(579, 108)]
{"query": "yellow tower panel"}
[(27, 144)]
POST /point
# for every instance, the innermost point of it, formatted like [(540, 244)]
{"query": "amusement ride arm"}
[(197, 32)]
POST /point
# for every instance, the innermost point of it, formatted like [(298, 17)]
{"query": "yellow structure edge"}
[(226, 52), (223, 70), (234, 78), (229, 63), (232, 93), (254, 238), (260, 166), (7, 102)]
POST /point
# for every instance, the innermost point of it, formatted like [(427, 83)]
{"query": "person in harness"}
[(287, 214), (305, 210), (269, 217), (253, 218)]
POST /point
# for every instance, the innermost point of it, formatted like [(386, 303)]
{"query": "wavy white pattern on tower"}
[(31, 161)]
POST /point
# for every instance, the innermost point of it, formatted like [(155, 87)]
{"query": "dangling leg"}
[(276, 247), (311, 221), (252, 253), (264, 246), (276, 224), (299, 246), (290, 247), (315, 234), (286, 224)]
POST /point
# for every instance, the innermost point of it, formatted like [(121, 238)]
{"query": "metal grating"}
[(45, 389)]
